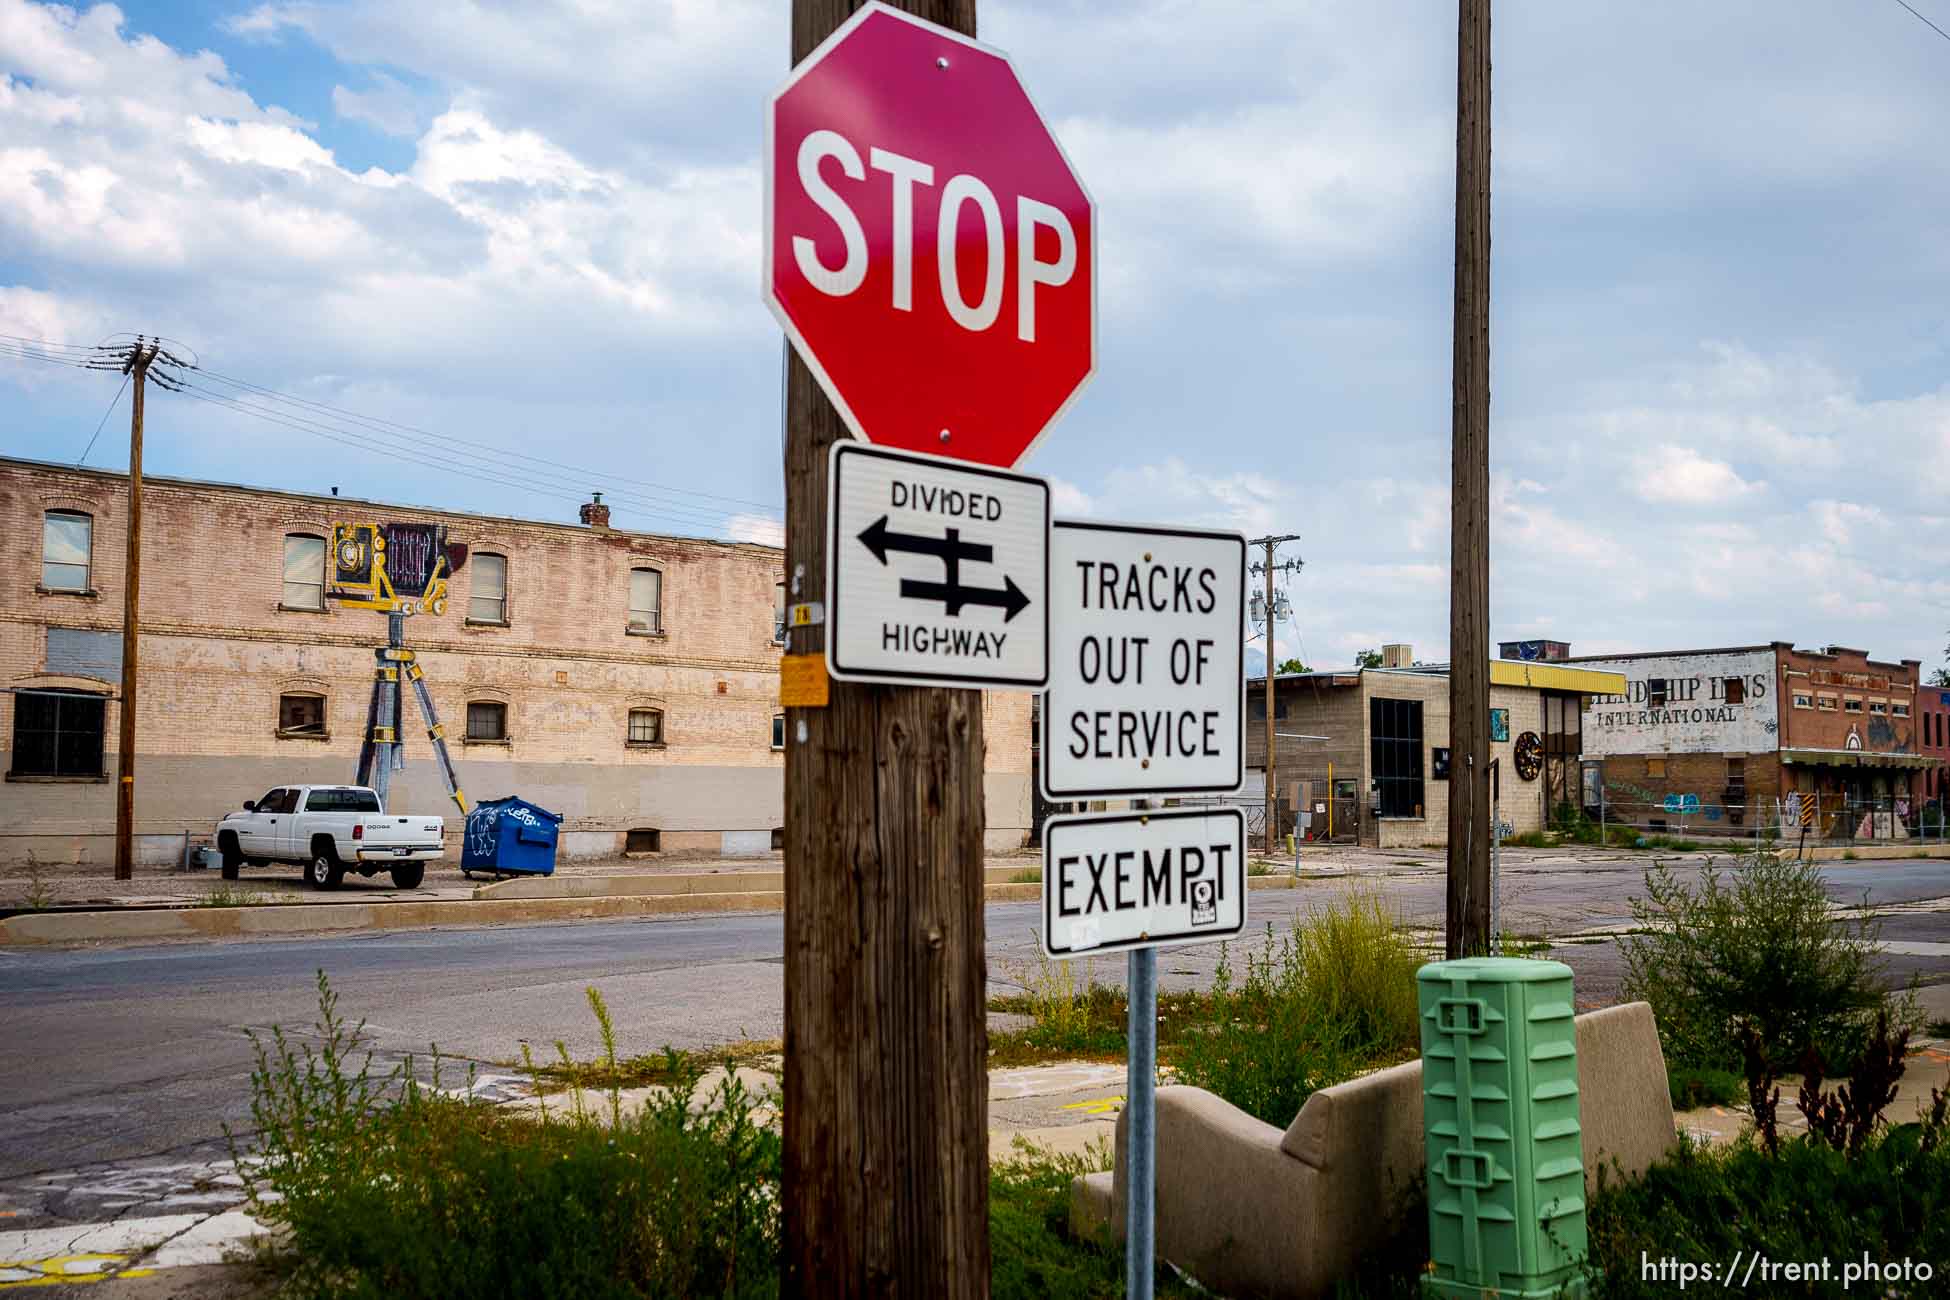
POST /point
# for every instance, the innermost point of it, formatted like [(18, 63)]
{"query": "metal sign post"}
[(1146, 697), (1141, 1103)]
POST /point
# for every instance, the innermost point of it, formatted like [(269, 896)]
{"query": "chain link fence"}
[(1818, 818)]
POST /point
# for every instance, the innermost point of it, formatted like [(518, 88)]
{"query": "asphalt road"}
[(115, 1054)]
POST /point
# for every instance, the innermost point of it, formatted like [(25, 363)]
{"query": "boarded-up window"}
[(67, 539), (84, 652), (646, 600), (304, 571), (58, 733), (487, 591), (1736, 690)]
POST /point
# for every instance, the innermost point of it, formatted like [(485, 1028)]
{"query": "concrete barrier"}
[(1342, 1179)]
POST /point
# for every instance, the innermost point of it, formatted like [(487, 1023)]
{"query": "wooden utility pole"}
[(886, 1034), (1270, 545), (138, 370), (1468, 930)]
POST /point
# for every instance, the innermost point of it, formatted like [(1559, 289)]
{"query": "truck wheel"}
[(324, 871), (408, 875), (233, 857)]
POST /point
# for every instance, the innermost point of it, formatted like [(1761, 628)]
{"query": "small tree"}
[(1293, 666), (1756, 959), (1941, 677), (1367, 659)]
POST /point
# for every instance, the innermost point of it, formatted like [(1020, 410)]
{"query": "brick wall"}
[(218, 649)]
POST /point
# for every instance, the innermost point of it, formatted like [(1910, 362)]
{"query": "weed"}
[(1694, 1087), (1027, 876), (383, 1186), (39, 896), (1032, 1252), (1761, 947), (1534, 946), (1530, 840), (1850, 855), (225, 896), (1263, 867), (1805, 1203), (1937, 1029)]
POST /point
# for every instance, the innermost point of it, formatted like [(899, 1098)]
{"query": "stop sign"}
[(928, 248)]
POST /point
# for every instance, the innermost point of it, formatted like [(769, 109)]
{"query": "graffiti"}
[(1682, 805), (1881, 734), (481, 826)]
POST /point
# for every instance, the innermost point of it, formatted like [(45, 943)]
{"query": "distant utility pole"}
[(885, 1188), (1468, 930), (140, 356), (1271, 544)]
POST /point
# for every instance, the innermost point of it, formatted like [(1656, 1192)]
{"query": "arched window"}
[(487, 720), (646, 727), (301, 713), (646, 602), (304, 571), (67, 541)]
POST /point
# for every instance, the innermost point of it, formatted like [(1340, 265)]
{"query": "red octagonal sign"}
[(928, 248)]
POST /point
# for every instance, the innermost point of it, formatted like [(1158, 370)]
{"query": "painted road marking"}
[(1097, 1105), (95, 1252), (66, 1268)]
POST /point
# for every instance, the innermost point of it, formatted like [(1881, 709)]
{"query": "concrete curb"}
[(32, 929)]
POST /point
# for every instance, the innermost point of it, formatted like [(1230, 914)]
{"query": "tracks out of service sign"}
[(1143, 879), (937, 571), (1145, 678)]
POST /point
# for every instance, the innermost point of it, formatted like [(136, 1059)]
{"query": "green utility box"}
[(1500, 1119)]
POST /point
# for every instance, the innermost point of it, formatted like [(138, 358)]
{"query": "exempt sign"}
[(1141, 879)]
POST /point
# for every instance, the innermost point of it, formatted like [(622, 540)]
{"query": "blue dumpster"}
[(510, 837)]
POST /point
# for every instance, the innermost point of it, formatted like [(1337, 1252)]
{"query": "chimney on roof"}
[(1398, 655), (594, 513)]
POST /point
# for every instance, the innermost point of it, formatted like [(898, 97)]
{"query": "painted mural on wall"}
[(1686, 704)]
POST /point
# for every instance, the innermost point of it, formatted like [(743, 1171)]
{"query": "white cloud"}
[(389, 106), (1680, 475), (756, 528), (1067, 500)]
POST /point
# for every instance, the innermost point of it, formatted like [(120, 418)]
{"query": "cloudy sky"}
[(1721, 407)]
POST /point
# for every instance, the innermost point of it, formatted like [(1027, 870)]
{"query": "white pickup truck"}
[(331, 829)]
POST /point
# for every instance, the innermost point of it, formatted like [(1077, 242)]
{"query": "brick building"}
[(1712, 740), (1387, 745), (1933, 731), (626, 680)]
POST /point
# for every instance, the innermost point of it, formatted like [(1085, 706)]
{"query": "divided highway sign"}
[(937, 571)]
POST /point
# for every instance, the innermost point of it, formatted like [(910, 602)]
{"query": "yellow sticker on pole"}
[(803, 681)]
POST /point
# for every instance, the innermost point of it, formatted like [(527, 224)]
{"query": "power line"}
[(695, 516), (104, 421), (375, 421), (392, 438), (1925, 21)]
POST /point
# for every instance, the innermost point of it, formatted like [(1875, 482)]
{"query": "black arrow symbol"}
[(953, 596), (951, 548)]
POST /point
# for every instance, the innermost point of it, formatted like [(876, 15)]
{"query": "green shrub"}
[(1693, 1087), (1530, 840), (1810, 1202), (386, 1187), (1334, 996), (1758, 945)]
